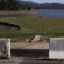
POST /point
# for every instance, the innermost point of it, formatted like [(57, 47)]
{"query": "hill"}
[(44, 5)]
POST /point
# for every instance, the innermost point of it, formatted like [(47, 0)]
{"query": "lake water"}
[(9, 27), (47, 13)]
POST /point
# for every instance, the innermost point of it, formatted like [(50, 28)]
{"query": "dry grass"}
[(7, 12)]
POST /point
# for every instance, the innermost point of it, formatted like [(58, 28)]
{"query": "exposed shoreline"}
[(8, 12)]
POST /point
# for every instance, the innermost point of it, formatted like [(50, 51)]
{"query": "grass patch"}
[(31, 26)]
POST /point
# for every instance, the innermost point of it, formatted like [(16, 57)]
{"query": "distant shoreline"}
[(9, 12)]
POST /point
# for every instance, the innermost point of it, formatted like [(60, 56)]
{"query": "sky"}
[(47, 1)]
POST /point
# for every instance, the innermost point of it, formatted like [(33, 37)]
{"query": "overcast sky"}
[(46, 1)]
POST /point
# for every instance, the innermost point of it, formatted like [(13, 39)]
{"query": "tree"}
[(12, 5)]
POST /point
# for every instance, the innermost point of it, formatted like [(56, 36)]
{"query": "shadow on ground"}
[(33, 53)]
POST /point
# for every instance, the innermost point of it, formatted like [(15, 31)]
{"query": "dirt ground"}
[(28, 45), (27, 50)]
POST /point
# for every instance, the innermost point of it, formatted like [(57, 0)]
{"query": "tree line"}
[(44, 5), (50, 6), (12, 5)]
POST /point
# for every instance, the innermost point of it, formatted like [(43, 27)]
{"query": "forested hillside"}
[(44, 5), (12, 5)]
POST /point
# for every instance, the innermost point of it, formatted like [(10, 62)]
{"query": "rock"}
[(36, 38), (4, 48)]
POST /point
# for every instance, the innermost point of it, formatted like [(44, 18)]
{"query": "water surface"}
[(47, 13)]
